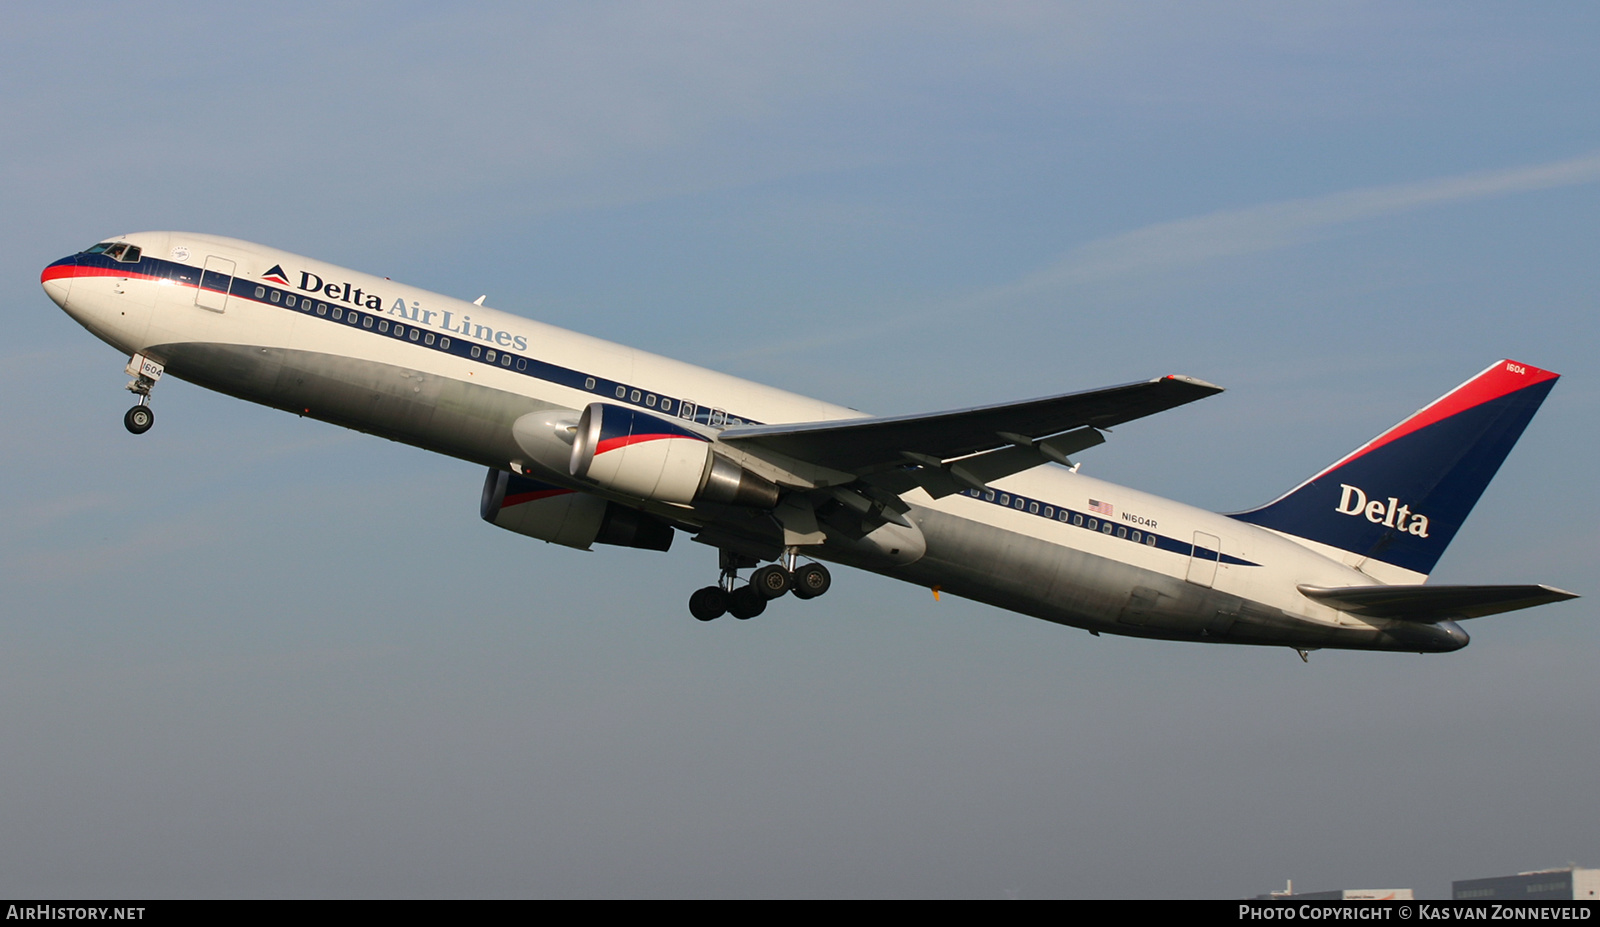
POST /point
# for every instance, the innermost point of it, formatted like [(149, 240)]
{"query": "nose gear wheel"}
[(139, 419)]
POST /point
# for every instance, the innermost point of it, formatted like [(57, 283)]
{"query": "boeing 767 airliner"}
[(588, 442)]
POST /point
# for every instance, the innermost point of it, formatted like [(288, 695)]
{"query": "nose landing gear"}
[(145, 373), (767, 583)]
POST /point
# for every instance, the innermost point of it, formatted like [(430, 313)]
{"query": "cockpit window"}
[(117, 250)]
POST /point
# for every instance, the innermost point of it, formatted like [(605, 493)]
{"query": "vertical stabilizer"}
[(1401, 497)]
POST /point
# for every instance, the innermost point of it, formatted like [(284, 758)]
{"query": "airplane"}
[(588, 442)]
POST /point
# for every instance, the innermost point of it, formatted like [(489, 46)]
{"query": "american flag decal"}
[(1101, 508)]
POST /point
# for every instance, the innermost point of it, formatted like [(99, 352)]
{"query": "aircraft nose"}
[(57, 280)]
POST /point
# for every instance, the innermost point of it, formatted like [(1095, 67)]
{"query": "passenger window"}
[(322, 309), (1033, 508), (1105, 527), (417, 333), (505, 360), (444, 343), (1149, 540), (622, 391), (289, 300), (383, 324), (353, 320), (261, 292), (650, 400), (1018, 504), (338, 313), (1093, 524), (634, 396), (1049, 512), (476, 350), (428, 338), (1122, 532), (522, 363), (366, 321), (666, 406), (1136, 537), (717, 416), (276, 296), (399, 330), (1077, 520), (320, 306), (490, 356), (988, 495), (588, 382)]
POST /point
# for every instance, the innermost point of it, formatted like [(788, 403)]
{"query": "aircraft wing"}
[(864, 445), (1434, 603)]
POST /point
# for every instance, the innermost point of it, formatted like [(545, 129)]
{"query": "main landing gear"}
[(806, 581), (145, 373)]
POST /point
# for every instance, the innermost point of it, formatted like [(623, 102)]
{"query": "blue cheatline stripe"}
[(1089, 521), (382, 324)]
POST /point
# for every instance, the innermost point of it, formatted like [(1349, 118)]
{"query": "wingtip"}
[(1190, 381)]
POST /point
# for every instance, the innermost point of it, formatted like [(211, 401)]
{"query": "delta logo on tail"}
[(276, 275), (1401, 497), (1353, 501)]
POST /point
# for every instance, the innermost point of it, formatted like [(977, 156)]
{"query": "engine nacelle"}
[(648, 457), (566, 516)]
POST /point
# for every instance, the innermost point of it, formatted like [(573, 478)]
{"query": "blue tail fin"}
[(1401, 497)]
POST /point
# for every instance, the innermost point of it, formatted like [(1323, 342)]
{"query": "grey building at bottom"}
[(1570, 884)]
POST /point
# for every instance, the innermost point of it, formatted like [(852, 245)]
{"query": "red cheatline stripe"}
[(534, 496), (67, 270), (611, 444), (1501, 379)]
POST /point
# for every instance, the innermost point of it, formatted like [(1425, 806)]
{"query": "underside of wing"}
[(866, 445), (1434, 603)]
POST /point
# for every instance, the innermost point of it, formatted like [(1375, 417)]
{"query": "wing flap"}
[(1434, 603), (866, 444)]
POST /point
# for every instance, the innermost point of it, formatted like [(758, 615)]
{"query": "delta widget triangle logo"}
[(276, 275)]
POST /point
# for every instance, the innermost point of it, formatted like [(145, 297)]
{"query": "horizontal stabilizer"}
[(865, 444), (1434, 603)]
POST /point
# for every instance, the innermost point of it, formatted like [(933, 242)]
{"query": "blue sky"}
[(249, 654)]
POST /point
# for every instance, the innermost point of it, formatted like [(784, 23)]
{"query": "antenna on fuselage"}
[(479, 300)]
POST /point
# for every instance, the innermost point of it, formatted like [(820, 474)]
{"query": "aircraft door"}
[(1203, 559), (215, 280)]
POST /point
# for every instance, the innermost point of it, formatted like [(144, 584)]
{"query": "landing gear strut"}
[(145, 373), (806, 581)]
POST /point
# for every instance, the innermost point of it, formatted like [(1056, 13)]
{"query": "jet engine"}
[(566, 516), (649, 457)]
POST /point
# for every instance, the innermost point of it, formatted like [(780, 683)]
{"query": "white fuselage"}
[(370, 353)]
